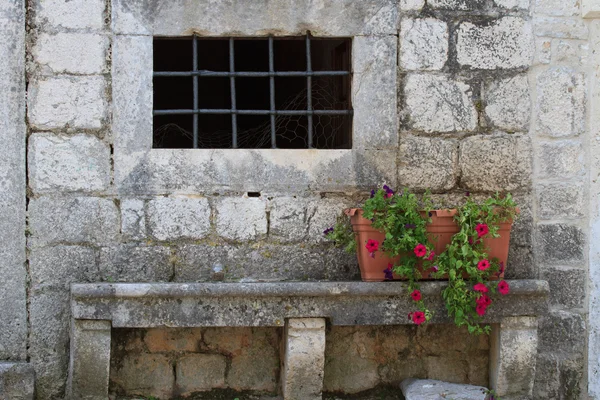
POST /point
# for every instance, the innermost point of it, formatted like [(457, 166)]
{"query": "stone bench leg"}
[(304, 359), (90, 360), (513, 352)]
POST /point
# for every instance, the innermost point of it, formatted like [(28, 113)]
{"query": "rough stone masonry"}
[(448, 95)]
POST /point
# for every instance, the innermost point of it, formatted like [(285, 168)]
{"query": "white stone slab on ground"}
[(428, 389)]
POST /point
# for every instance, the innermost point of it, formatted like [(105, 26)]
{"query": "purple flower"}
[(389, 275), (468, 194), (388, 191), (372, 193), (435, 268), (410, 226), (327, 231)]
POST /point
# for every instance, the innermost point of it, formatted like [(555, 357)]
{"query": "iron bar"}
[(233, 99), (248, 74), (196, 105), (222, 111), (309, 92), (272, 92)]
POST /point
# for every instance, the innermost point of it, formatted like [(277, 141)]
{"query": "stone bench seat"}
[(303, 309)]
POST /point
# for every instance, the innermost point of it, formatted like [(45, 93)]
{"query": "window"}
[(283, 92)]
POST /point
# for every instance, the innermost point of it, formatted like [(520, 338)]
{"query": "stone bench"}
[(302, 308)]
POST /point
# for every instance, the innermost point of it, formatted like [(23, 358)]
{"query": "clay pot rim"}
[(445, 212)]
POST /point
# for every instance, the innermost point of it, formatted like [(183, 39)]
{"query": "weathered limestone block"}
[(560, 159), (200, 372), (496, 163), (543, 51), (458, 5), (429, 389), (72, 220), (73, 101), (567, 285), (163, 340), (439, 104), (304, 359), (288, 219), (564, 28), (559, 8), (571, 52), (323, 214), (428, 163), (69, 14), (513, 352), (505, 43), (558, 377), (447, 369), (408, 5), (133, 218), (561, 102), (57, 267), (563, 332), (68, 163), (560, 243), (90, 355), (144, 375), (561, 200), (71, 53), (520, 263), (16, 381), (512, 4), (423, 44), (241, 219), (508, 105), (130, 263), (171, 218)]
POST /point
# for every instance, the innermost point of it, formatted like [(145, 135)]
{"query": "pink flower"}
[(484, 299), (431, 255), (483, 265), (480, 309), (503, 287), (482, 229), (372, 245), (420, 250), (480, 287), (416, 295), (418, 317)]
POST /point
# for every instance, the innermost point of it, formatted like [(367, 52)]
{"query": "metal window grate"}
[(310, 112)]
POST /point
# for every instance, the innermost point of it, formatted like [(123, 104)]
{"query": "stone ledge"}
[(270, 304)]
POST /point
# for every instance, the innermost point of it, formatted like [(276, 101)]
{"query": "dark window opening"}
[(288, 93)]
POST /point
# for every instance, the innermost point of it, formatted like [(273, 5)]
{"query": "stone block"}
[(508, 104), (72, 220), (428, 163), (520, 264), (71, 53), (304, 359), (133, 218), (200, 372), (409, 5), (563, 332), (201, 263), (563, 28), (231, 341), (49, 341), (560, 159), (144, 375), (438, 103), (560, 243), (456, 5), (430, 389), (567, 286), (496, 163), (558, 8), (503, 44), (522, 229), (543, 51), (561, 102), (16, 381), (448, 341), (423, 44), (165, 340), (447, 369), (172, 218), (349, 363), (69, 14), (68, 163), (57, 267), (561, 200), (547, 377), (241, 219), (288, 219), (571, 52), (323, 214), (512, 4), (130, 263), (67, 101)]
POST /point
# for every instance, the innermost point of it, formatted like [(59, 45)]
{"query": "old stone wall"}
[(449, 95)]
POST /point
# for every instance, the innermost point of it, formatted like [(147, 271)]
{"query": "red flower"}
[(503, 287), (480, 309), (416, 295), (431, 255), (484, 299), (483, 265), (372, 245), (418, 317), (410, 315), (420, 250), (482, 229), (480, 287)]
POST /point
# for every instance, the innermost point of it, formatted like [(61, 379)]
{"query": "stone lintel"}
[(304, 359)]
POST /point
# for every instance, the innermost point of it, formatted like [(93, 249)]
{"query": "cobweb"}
[(290, 130)]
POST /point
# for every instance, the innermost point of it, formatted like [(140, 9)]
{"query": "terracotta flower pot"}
[(440, 232)]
